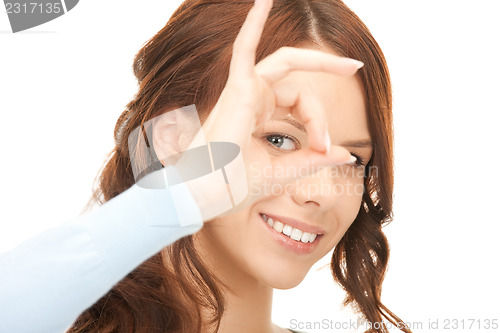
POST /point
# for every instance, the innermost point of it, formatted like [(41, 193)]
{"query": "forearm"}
[(47, 281)]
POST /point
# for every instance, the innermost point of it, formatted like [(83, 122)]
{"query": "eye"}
[(282, 141)]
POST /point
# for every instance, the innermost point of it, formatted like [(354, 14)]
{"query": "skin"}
[(315, 87)]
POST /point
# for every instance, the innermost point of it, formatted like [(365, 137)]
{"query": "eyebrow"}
[(363, 143), (295, 123)]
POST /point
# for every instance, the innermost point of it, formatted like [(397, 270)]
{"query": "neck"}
[(248, 309)]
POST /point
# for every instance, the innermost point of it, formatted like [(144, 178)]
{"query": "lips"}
[(290, 237), (305, 227)]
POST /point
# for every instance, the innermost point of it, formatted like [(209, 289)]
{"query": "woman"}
[(221, 277)]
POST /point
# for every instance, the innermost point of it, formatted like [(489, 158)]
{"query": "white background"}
[(64, 84)]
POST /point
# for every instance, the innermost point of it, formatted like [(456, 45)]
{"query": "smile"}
[(292, 238), (294, 233)]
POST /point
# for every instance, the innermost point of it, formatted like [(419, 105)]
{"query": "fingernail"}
[(328, 142), (351, 160), (357, 63)]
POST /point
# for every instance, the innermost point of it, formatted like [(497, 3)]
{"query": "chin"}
[(283, 281), (275, 270), (276, 260)]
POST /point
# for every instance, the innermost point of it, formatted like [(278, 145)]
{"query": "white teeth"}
[(278, 226), (305, 237), (296, 234), (312, 238), (287, 230), (293, 233)]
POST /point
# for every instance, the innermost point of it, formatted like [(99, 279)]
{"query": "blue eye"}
[(282, 141)]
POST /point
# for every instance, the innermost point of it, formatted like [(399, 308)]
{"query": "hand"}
[(250, 98)]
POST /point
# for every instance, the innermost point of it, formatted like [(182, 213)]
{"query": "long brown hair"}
[(187, 62)]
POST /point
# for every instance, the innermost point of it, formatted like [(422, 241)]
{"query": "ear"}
[(165, 136), (173, 133)]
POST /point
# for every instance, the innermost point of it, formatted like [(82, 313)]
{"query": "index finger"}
[(288, 59), (247, 40)]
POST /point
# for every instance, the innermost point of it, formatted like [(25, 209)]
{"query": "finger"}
[(245, 44), (287, 59), (307, 162), (304, 105)]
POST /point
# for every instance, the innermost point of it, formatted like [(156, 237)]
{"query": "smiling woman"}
[(222, 277)]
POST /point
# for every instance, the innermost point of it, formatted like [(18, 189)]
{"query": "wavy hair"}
[(187, 62)]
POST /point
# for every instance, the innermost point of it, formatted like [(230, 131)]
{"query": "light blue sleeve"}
[(50, 279)]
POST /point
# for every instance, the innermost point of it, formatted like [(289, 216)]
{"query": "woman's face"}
[(243, 245)]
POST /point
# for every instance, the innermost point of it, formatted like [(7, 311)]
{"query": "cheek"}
[(352, 199), (349, 211), (350, 193)]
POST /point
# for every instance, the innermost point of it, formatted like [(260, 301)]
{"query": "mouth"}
[(293, 238)]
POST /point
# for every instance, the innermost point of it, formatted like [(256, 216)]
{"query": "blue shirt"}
[(50, 279)]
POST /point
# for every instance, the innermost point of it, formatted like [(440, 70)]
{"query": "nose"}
[(319, 189)]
